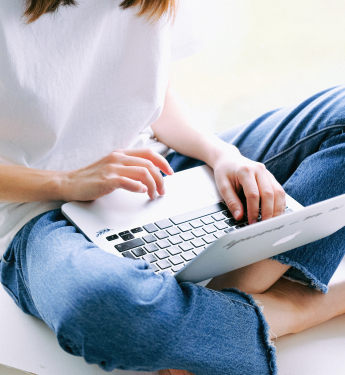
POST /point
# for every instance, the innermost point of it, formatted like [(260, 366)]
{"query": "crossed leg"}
[(289, 307)]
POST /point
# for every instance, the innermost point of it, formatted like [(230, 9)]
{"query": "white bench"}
[(27, 344)]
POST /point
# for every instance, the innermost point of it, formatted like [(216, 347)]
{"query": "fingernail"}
[(253, 221), (144, 190), (236, 214), (155, 195), (171, 170), (163, 191)]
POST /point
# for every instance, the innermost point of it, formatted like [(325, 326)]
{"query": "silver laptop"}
[(189, 231)]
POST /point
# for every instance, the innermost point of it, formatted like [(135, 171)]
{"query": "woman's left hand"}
[(234, 172)]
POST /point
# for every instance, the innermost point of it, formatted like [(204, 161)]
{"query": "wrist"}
[(215, 149), (61, 186)]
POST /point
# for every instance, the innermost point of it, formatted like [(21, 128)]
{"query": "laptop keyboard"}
[(169, 244)]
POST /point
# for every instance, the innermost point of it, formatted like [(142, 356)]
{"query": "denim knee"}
[(113, 320)]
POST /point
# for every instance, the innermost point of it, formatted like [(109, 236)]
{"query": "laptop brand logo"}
[(287, 239), (102, 231)]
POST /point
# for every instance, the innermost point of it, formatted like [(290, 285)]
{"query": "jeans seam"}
[(230, 299), (27, 289), (339, 125)]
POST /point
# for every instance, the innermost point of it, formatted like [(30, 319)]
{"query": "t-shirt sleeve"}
[(185, 38)]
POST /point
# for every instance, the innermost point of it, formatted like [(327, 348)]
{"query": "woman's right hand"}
[(136, 170)]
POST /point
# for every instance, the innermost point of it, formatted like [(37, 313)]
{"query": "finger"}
[(139, 174), (231, 198), (251, 191), (279, 196), (266, 193), (157, 159), (154, 171), (130, 185)]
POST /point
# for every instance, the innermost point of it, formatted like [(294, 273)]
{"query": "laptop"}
[(189, 231)]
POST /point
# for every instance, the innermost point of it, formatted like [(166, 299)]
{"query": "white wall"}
[(262, 55)]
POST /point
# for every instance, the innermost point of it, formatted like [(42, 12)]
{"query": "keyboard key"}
[(198, 232), (244, 220), (197, 242), (173, 231), (187, 236), (185, 227), (196, 223), (162, 224), (220, 225), (137, 230), (175, 240), (163, 264), (218, 216), (229, 230), (150, 258), (139, 251), (161, 254), (179, 219), (176, 260), (154, 267), (112, 238), (161, 234), (150, 228), (149, 238), (209, 238), (219, 234), (230, 222), (128, 254), (163, 244), (207, 220), (227, 214), (198, 250), (129, 245), (211, 228), (188, 256), (151, 247), (177, 268), (174, 250), (126, 235), (186, 246), (240, 226)]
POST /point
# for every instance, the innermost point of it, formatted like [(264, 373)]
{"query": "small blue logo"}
[(102, 231)]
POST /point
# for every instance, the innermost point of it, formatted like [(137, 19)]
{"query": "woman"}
[(85, 96)]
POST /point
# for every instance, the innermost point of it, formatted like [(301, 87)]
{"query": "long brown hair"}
[(153, 9)]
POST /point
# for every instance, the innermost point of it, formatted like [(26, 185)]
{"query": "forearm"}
[(20, 184), (172, 129)]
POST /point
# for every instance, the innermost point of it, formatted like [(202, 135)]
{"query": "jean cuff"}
[(248, 300), (300, 274)]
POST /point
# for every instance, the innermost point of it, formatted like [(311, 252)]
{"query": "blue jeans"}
[(117, 313)]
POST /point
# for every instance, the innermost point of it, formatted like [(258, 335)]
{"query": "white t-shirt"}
[(76, 85)]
